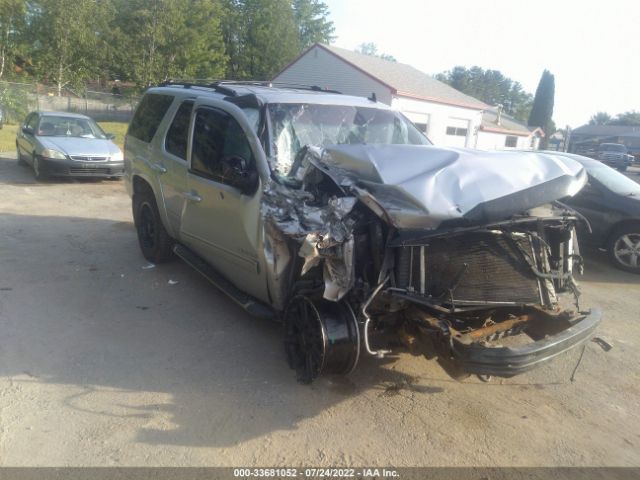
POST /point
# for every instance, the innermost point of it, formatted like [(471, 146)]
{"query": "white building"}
[(447, 116), (499, 131)]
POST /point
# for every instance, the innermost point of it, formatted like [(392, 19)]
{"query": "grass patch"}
[(8, 134), (8, 138), (117, 128)]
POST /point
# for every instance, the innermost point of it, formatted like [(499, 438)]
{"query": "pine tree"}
[(542, 109)]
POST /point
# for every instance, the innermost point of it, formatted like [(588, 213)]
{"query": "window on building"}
[(421, 126), (457, 131), (511, 141), (176, 141)]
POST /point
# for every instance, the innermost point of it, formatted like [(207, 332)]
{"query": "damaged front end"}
[(468, 253)]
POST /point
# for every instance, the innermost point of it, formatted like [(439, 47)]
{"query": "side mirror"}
[(240, 173), (110, 136), (27, 131)]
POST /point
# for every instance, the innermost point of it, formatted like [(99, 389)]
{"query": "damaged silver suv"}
[(335, 215)]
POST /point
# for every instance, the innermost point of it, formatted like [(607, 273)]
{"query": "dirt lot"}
[(103, 362)]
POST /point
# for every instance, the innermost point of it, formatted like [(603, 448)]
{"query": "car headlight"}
[(48, 153), (117, 157)]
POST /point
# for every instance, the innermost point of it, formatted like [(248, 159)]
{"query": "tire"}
[(623, 248), (20, 159), (36, 170), (154, 241), (622, 169)]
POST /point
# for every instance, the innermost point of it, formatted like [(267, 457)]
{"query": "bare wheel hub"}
[(321, 337)]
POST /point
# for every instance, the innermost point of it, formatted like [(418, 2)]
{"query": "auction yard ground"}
[(104, 362)]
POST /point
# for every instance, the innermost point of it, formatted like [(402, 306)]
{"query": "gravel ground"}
[(104, 362)]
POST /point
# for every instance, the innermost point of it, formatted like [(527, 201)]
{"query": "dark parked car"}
[(611, 203), (615, 155), (60, 144)]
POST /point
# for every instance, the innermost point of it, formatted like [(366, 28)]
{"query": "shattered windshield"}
[(296, 125)]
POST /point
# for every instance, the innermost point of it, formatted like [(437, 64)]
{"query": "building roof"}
[(402, 79), (608, 130), (508, 125)]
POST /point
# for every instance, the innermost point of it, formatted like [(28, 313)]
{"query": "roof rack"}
[(223, 86)]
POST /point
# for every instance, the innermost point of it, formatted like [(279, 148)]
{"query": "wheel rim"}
[(147, 227), (322, 337), (306, 339), (627, 250)]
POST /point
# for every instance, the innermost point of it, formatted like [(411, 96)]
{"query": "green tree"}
[(600, 118), (492, 87), (312, 20), (542, 109), (261, 37), (158, 40), (67, 40), (370, 48), (12, 23), (631, 118)]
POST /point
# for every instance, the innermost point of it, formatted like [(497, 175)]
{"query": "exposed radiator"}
[(495, 270)]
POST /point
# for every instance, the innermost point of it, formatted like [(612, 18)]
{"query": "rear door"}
[(171, 163), (219, 222)]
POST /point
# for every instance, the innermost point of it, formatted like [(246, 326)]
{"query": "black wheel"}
[(154, 240), (624, 248), (322, 337), (39, 174), (623, 168)]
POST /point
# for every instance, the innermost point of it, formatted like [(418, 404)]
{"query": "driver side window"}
[(217, 139)]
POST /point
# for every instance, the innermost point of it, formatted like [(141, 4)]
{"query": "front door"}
[(219, 222)]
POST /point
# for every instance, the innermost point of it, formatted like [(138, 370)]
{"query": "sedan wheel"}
[(624, 249), (36, 169)]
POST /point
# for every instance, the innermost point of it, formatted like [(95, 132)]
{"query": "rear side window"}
[(148, 116), (176, 141)]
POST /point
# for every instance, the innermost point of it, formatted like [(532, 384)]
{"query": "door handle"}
[(192, 196), (158, 168)]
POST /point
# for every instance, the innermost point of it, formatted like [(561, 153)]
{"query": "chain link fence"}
[(18, 99)]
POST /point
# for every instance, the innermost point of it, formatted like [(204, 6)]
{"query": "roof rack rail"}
[(223, 86), (213, 86)]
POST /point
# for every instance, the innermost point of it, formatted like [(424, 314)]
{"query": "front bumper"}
[(74, 168), (617, 162), (510, 361)]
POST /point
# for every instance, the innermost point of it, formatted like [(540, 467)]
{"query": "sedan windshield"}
[(614, 181), (296, 125), (52, 126)]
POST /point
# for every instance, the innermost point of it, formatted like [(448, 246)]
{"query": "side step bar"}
[(251, 305)]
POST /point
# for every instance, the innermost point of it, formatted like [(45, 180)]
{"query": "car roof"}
[(63, 114), (270, 94)]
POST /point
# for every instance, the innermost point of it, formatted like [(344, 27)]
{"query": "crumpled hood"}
[(80, 146), (421, 186)]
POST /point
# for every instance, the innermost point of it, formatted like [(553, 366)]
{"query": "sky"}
[(591, 47)]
